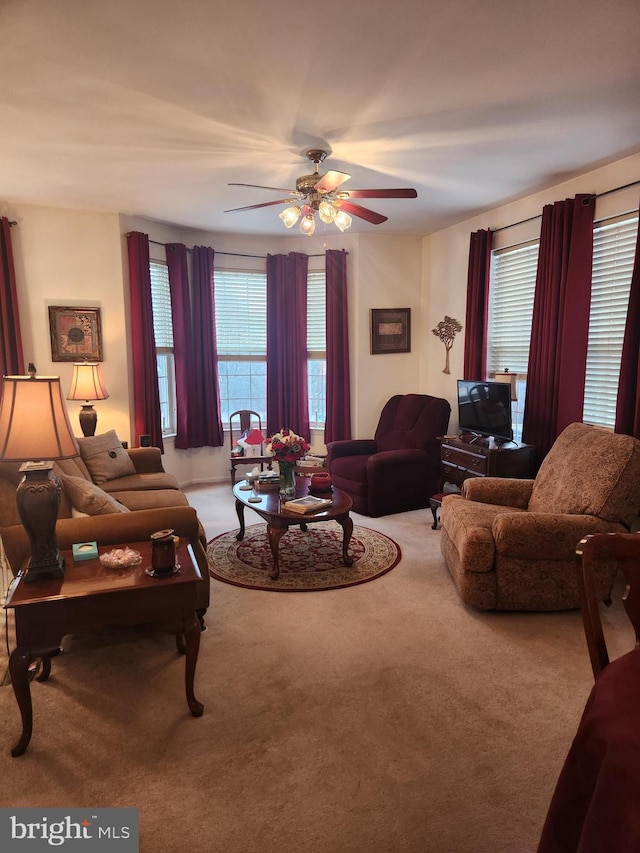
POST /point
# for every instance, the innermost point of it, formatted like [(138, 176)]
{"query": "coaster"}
[(255, 500), (245, 488), (153, 573)]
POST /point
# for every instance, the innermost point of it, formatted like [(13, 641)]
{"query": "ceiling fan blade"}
[(258, 187), (330, 181), (361, 212), (399, 193), (264, 204)]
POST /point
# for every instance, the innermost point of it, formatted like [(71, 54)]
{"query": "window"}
[(317, 348), (614, 243), (513, 283), (241, 332), (241, 338), (513, 276), (163, 331)]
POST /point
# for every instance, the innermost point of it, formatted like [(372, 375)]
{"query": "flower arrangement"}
[(286, 446)]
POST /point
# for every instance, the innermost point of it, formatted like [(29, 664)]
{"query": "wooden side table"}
[(461, 459), (90, 597)]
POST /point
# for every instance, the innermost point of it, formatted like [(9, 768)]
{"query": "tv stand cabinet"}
[(470, 456), (461, 458)]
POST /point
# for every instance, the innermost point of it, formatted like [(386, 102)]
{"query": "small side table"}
[(90, 597)]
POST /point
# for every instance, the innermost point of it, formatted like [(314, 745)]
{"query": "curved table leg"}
[(240, 514), (45, 672), (275, 535), (346, 523), (19, 661), (192, 646)]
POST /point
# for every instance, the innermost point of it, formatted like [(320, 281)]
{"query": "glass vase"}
[(287, 479)]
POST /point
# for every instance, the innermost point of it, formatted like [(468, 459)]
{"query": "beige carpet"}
[(381, 718)]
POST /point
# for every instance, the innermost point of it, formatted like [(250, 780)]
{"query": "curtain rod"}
[(234, 254), (539, 216)]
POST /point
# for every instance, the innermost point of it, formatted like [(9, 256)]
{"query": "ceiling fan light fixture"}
[(308, 224), (342, 220), (290, 216), (326, 212)]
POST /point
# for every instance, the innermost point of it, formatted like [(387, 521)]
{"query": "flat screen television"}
[(484, 408)]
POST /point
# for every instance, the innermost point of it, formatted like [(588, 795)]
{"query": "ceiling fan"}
[(320, 193)]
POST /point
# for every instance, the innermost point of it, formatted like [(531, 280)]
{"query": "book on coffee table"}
[(306, 504)]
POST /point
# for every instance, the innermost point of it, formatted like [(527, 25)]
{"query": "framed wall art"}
[(390, 330), (76, 334)]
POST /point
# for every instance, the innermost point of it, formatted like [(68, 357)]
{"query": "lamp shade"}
[(509, 378), (34, 425), (86, 383)]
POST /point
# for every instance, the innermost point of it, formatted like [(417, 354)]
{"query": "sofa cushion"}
[(469, 526), (73, 467), (105, 457), (88, 498), (566, 483), (151, 499), (141, 483)]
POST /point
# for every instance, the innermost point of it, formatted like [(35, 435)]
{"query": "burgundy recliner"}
[(399, 469)]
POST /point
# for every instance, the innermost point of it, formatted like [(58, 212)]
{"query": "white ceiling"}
[(151, 107)]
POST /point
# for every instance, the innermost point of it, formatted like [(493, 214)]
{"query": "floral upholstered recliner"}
[(510, 544)]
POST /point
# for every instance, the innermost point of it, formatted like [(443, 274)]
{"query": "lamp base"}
[(38, 499), (88, 419)]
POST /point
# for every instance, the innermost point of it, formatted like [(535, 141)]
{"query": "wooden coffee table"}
[(270, 507)]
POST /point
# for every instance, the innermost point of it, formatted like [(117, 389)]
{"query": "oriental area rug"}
[(309, 560)]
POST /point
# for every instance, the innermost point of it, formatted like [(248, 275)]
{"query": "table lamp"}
[(252, 443), (509, 378), (87, 385), (35, 430)]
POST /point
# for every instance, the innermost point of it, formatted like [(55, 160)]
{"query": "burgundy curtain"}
[(146, 398), (560, 322), (287, 394), (205, 424), (183, 352), (11, 357), (338, 422), (475, 338), (628, 406)]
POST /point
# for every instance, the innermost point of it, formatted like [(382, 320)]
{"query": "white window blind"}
[(513, 282), (163, 333), (161, 300), (316, 315), (614, 243), (241, 313)]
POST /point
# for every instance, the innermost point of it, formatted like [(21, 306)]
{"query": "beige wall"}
[(66, 257), (446, 258)]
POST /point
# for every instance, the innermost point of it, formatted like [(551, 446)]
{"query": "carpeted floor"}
[(385, 717), (310, 560)]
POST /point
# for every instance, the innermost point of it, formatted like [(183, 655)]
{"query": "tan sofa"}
[(124, 509), (510, 544)]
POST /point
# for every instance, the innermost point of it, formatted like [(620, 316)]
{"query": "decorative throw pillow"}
[(86, 497), (105, 457)]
